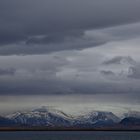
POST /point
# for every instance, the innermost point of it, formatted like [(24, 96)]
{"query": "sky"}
[(71, 54)]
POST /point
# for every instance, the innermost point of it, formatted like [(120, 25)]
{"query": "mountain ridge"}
[(51, 118)]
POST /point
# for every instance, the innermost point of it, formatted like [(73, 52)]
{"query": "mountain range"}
[(49, 117)]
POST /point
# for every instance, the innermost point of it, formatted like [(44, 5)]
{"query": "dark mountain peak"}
[(130, 121), (5, 122)]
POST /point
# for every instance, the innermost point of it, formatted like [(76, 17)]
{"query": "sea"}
[(69, 135)]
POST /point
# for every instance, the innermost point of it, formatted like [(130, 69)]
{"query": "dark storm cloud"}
[(106, 88), (55, 74), (37, 45), (134, 72), (55, 38), (9, 38), (59, 87), (119, 60), (108, 73), (50, 22), (131, 69), (44, 26), (7, 72)]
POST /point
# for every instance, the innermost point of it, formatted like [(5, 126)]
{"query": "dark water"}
[(69, 135)]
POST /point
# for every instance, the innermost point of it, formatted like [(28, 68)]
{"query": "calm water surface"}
[(69, 135)]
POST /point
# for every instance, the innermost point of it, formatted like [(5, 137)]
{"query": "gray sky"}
[(69, 49)]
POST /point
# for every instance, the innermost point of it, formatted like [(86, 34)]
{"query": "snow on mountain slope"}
[(96, 118), (48, 116), (41, 117)]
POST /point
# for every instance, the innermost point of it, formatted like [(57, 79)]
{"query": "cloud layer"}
[(32, 26), (73, 48)]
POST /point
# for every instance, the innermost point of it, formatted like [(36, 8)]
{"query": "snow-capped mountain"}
[(48, 116), (96, 119), (44, 116), (100, 115)]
